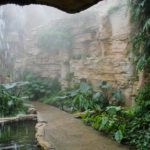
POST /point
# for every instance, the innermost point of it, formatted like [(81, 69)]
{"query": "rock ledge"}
[(40, 137)]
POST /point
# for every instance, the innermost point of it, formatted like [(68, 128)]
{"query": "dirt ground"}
[(68, 133)]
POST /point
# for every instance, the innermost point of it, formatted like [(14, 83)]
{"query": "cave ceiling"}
[(70, 6)]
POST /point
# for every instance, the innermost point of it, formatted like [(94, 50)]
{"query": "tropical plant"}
[(9, 104), (140, 15), (137, 132), (40, 87), (108, 95), (137, 129), (83, 97), (15, 88), (138, 126), (143, 98), (126, 125), (112, 121)]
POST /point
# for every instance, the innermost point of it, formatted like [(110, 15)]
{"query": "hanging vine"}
[(140, 17)]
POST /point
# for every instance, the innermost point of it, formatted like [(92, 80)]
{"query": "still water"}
[(18, 136)]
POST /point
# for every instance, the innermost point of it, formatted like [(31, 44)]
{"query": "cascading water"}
[(3, 47), (6, 52), (2, 28)]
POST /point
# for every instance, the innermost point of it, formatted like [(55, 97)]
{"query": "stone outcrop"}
[(71, 6), (17, 118)]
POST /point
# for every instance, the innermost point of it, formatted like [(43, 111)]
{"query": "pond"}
[(18, 136)]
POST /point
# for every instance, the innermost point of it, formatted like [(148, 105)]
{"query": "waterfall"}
[(2, 28), (5, 51)]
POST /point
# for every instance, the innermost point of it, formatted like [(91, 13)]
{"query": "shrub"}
[(130, 126), (112, 121), (40, 87), (10, 104), (82, 97), (138, 132), (138, 126), (143, 98)]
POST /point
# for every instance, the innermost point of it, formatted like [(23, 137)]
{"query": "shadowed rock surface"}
[(68, 133), (70, 6)]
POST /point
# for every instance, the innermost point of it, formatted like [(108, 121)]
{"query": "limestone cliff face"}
[(106, 45), (100, 49)]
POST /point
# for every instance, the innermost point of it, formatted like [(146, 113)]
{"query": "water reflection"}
[(18, 136)]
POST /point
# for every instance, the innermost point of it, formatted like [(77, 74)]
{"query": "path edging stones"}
[(18, 118), (40, 137)]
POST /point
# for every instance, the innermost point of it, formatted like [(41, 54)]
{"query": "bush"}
[(40, 87), (138, 132), (10, 105), (143, 98), (112, 121), (82, 97), (138, 128), (129, 126)]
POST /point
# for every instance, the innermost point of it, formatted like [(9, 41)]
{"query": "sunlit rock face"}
[(70, 6), (100, 49)]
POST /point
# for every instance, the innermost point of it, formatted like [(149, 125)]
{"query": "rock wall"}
[(100, 49), (104, 45)]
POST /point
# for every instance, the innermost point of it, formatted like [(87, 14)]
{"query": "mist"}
[(31, 32), (81, 63)]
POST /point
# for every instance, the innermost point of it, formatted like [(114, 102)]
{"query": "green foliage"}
[(138, 128), (143, 98), (82, 97), (118, 136), (111, 121), (9, 104), (130, 125), (108, 117), (82, 100), (140, 15), (138, 132), (15, 88), (40, 87), (79, 98), (53, 39), (108, 95)]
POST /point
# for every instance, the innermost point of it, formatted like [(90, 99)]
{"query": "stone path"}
[(68, 133)]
